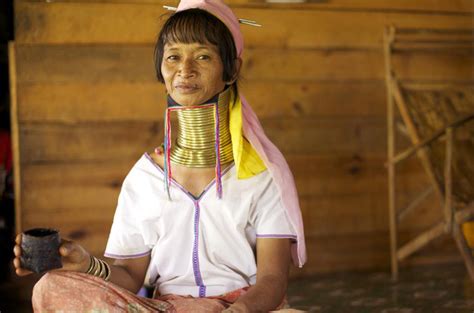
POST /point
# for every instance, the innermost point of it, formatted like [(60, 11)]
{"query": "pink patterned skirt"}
[(62, 291)]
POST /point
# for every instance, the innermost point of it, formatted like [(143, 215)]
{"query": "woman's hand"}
[(73, 256)]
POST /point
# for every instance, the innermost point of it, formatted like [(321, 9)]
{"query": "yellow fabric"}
[(468, 230), (247, 161)]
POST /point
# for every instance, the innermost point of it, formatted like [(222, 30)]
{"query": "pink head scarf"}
[(253, 131)]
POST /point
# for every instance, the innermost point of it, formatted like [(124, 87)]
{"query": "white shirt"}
[(201, 246)]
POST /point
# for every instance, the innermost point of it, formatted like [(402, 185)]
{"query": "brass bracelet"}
[(103, 269), (91, 265), (108, 271), (99, 268)]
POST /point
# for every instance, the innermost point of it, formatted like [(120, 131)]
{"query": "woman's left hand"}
[(237, 308)]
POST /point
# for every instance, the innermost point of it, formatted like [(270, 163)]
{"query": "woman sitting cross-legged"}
[(211, 218)]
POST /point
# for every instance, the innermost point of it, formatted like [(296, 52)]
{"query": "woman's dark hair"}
[(197, 26)]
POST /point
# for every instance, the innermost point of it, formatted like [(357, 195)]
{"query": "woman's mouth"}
[(186, 88)]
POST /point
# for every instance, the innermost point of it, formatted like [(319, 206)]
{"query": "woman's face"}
[(192, 72)]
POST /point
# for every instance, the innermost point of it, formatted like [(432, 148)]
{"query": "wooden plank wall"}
[(89, 106)]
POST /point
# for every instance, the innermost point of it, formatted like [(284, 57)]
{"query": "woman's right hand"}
[(73, 256)]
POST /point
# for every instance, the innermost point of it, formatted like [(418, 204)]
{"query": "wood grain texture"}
[(88, 141), (463, 7), (360, 213), (15, 131), (128, 101), (333, 191), (342, 175), (324, 216), (57, 142), (407, 6), (284, 27), (368, 251), (317, 175), (99, 64)]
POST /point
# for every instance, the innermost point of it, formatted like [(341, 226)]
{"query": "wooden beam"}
[(388, 40), (436, 86), (439, 133), (425, 161), (319, 176), (77, 102), (402, 129), (95, 141), (456, 6), (283, 26), (86, 142), (453, 48), (420, 241), (433, 31), (322, 215), (448, 180), (368, 251), (434, 66), (66, 64), (15, 133), (420, 6), (412, 205)]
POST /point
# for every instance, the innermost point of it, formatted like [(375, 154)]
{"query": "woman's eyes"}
[(174, 57)]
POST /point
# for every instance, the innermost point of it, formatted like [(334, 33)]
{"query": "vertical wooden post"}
[(448, 217), (15, 135), (388, 41)]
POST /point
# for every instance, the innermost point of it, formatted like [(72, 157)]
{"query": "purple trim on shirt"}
[(184, 189), (126, 256), (196, 269), (276, 236), (195, 255)]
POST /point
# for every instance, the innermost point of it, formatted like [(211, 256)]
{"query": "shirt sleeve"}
[(125, 239), (268, 215)]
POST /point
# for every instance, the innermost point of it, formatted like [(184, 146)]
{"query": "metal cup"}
[(40, 250)]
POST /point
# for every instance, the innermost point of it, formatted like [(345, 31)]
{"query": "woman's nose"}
[(187, 68)]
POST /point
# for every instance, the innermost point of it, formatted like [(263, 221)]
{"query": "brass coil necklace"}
[(203, 139), (195, 145)]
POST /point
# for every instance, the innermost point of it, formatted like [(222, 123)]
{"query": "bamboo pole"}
[(388, 39), (412, 150), (444, 193), (448, 190), (422, 153), (15, 135), (420, 241), (457, 48), (427, 86), (422, 196), (402, 129)]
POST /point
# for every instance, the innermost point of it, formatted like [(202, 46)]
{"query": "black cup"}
[(40, 250)]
